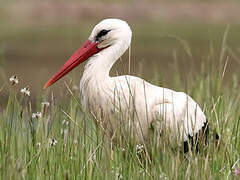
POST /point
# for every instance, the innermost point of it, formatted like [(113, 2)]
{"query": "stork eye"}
[(102, 33)]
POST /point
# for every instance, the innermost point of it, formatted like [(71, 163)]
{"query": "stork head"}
[(111, 31), (105, 34)]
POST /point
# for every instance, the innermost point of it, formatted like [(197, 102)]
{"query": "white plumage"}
[(128, 100)]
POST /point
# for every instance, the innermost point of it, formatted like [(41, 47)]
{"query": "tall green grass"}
[(83, 152)]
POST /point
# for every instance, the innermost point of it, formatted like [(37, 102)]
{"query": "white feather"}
[(129, 98)]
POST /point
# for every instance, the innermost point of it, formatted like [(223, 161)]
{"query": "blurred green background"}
[(37, 37)]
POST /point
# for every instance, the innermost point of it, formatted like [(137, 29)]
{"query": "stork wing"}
[(180, 114)]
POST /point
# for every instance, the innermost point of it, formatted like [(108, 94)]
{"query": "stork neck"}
[(99, 66)]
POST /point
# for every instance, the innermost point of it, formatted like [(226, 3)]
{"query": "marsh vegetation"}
[(47, 135)]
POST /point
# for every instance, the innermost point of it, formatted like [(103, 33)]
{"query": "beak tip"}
[(46, 85)]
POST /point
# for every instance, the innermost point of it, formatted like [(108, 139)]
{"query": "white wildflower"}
[(14, 79), (119, 176), (25, 91), (75, 142), (139, 148), (52, 142), (163, 176), (38, 145), (45, 104), (36, 115), (117, 173)]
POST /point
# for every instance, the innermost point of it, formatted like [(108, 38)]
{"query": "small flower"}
[(75, 142), (163, 176), (236, 172), (38, 145), (25, 91), (14, 80), (52, 142), (45, 104), (139, 148), (117, 173), (119, 176), (36, 115)]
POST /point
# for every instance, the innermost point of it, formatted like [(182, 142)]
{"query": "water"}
[(35, 53)]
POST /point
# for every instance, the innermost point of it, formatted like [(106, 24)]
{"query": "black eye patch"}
[(102, 33)]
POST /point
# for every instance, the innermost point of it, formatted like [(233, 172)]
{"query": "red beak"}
[(82, 54)]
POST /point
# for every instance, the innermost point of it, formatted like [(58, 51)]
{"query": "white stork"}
[(128, 100)]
